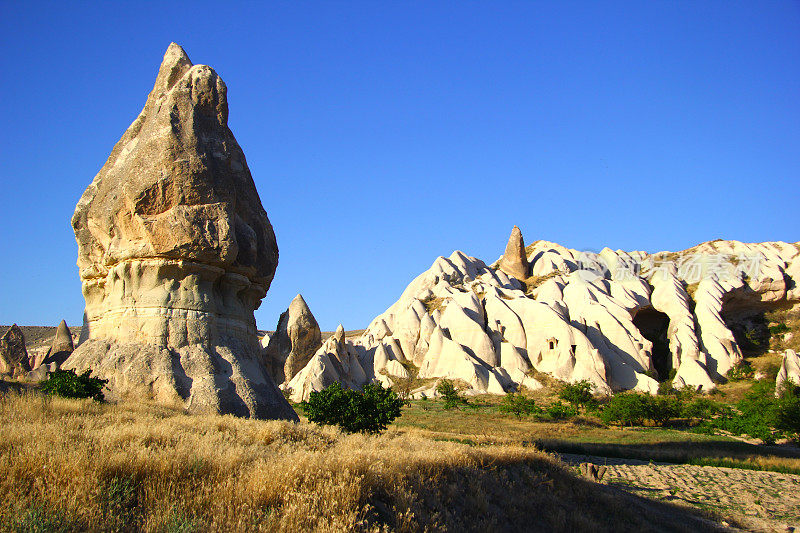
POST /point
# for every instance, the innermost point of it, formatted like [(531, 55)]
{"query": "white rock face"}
[(617, 319), (789, 372), (692, 374)]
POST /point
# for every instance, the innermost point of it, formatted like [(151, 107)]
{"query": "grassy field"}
[(77, 465), (482, 424)]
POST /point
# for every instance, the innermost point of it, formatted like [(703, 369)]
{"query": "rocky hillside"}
[(622, 320)]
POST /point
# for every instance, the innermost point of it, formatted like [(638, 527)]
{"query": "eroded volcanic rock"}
[(514, 261), (617, 319), (61, 348), (13, 355), (296, 339), (175, 252)]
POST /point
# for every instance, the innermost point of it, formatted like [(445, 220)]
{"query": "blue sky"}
[(381, 135)]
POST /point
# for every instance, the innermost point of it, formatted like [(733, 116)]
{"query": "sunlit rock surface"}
[(622, 320), (175, 252)]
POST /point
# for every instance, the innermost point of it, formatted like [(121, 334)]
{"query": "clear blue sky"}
[(383, 134)]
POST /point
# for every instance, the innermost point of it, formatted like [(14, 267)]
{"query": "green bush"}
[(789, 411), (779, 328), (518, 405), (665, 388), (701, 408), (633, 409), (626, 409), (760, 414), (450, 394), (368, 411), (560, 411), (67, 384), (740, 371), (662, 409), (578, 394)]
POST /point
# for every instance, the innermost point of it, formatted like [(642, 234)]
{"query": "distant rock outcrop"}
[(175, 252), (623, 321), (337, 360), (297, 337), (61, 348), (13, 355)]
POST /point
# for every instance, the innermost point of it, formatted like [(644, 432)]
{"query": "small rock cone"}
[(514, 262)]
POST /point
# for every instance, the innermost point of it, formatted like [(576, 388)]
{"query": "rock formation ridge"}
[(622, 320)]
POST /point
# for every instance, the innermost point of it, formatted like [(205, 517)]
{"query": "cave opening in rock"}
[(653, 326)]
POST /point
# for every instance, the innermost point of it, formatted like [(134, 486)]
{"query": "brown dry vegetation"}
[(533, 282), (76, 465), (432, 303)]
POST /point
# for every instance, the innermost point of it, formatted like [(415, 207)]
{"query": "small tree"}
[(450, 394), (788, 418), (701, 408), (67, 384), (560, 411), (627, 409), (368, 411), (518, 405), (404, 386), (578, 394), (632, 409)]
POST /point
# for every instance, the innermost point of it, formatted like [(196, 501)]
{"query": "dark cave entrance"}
[(653, 326)]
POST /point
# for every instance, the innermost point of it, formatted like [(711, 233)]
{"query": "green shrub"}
[(633, 409), (626, 409), (665, 387), (662, 409), (789, 411), (368, 411), (756, 415), (67, 384), (578, 394), (740, 371), (450, 394), (779, 328), (701, 408), (519, 405), (560, 411)]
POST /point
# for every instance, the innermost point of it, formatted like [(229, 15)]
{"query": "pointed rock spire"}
[(61, 348), (339, 334), (296, 339), (175, 252), (514, 261)]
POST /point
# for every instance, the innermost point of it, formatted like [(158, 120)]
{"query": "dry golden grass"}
[(70, 465), (433, 303), (533, 282)]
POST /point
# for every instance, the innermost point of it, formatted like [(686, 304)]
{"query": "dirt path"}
[(760, 501)]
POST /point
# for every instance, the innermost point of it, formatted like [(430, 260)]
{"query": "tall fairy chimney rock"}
[(514, 262), (175, 252), (296, 339)]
